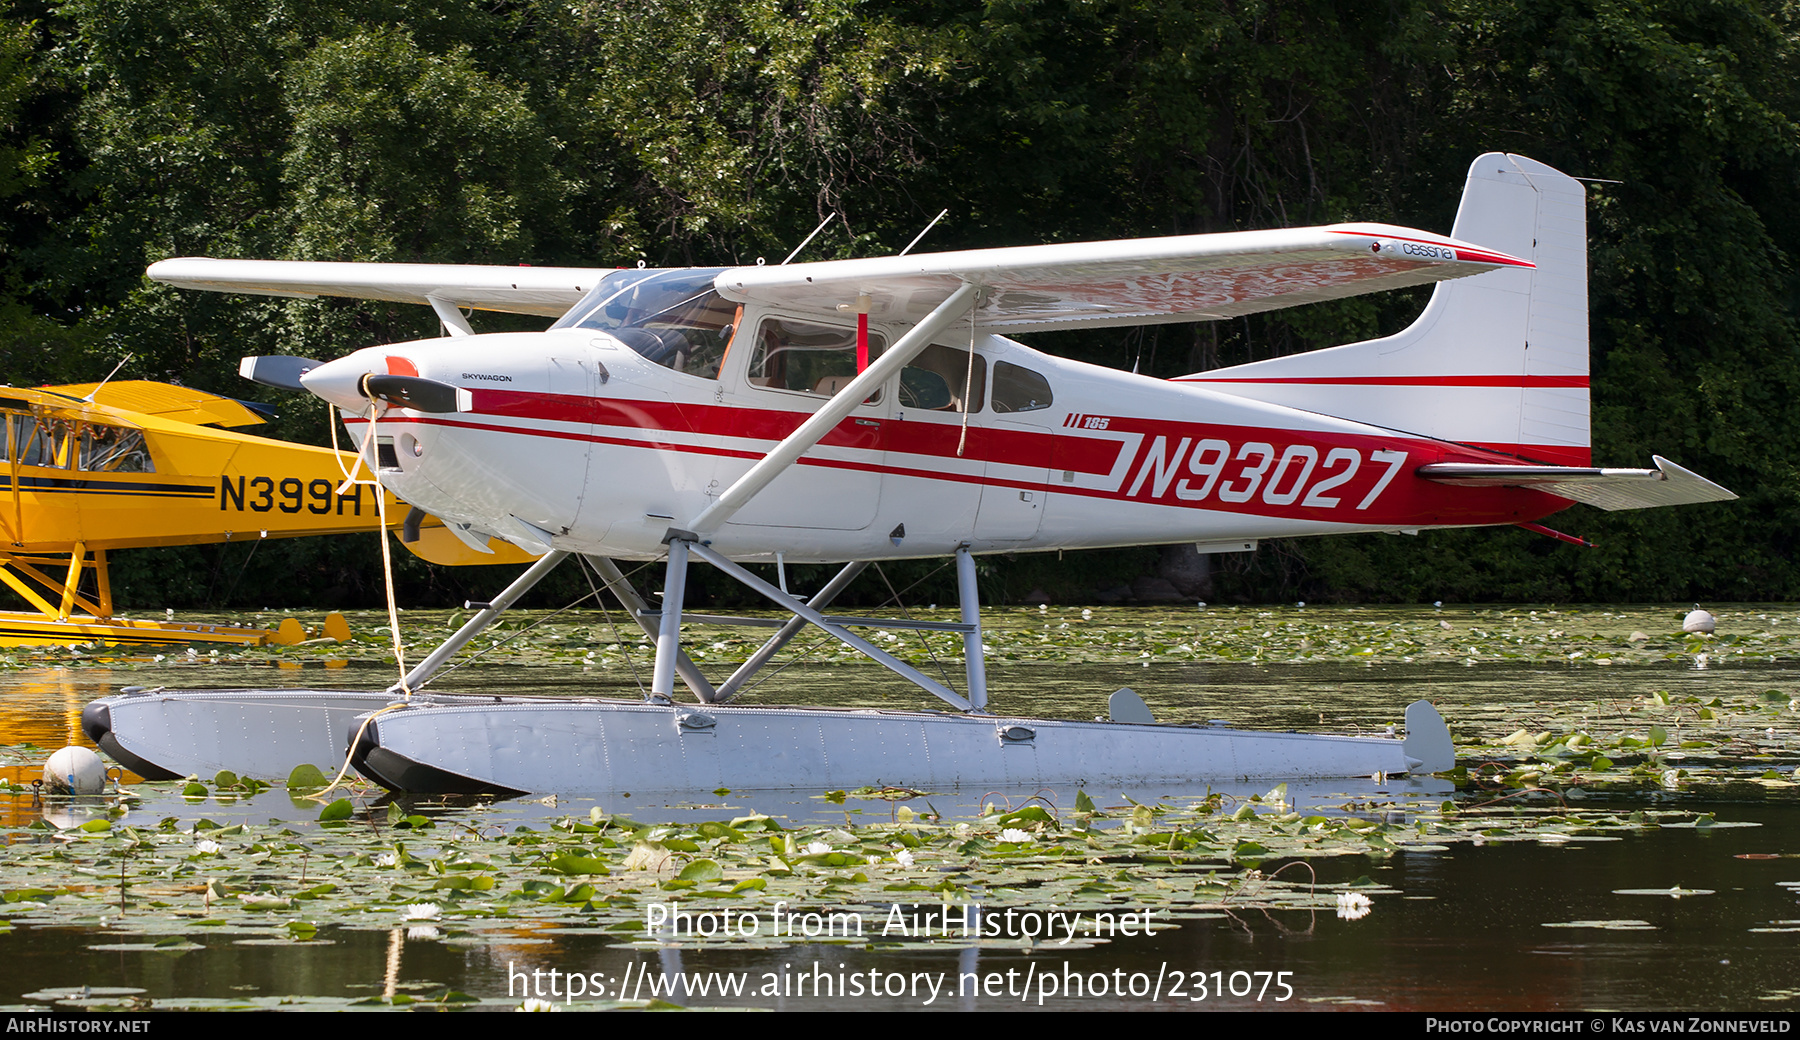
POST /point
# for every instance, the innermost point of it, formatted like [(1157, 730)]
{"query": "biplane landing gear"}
[(65, 616)]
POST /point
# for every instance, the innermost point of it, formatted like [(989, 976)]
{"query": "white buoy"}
[(1699, 620), (75, 770)]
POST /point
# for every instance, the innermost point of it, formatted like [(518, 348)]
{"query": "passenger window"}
[(1019, 389), (940, 379), (812, 359), (114, 449)]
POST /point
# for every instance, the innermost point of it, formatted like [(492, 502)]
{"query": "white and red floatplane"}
[(861, 410)]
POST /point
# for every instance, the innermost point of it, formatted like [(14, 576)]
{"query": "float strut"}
[(479, 623), (975, 662), (838, 632), (668, 627), (822, 599), (684, 666)]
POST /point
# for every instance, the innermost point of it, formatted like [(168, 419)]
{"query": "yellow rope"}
[(344, 770), (387, 573)]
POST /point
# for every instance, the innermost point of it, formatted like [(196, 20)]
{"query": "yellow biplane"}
[(90, 468)]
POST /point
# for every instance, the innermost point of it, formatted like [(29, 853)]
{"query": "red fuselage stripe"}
[(1046, 451)]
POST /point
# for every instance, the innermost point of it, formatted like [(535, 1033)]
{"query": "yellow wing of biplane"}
[(89, 468), (163, 400)]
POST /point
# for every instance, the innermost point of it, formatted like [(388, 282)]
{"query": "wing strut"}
[(837, 409), (451, 317)]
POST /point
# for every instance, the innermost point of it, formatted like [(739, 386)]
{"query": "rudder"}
[(1499, 360)]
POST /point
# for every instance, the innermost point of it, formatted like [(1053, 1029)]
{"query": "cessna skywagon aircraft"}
[(859, 410)]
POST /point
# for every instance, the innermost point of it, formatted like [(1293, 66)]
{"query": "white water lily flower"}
[(904, 857), (1353, 906), (386, 859), (534, 1004), (817, 848), (422, 911), (207, 847), (1015, 835)]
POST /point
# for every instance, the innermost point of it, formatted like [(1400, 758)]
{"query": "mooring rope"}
[(387, 558), (387, 574)]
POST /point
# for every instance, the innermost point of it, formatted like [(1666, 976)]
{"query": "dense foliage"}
[(600, 132)]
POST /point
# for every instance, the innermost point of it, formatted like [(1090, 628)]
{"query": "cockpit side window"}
[(40, 442), (672, 317), (812, 359), (114, 449)]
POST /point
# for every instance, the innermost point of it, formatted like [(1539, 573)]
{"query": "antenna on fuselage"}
[(828, 219), (941, 215), (90, 397)]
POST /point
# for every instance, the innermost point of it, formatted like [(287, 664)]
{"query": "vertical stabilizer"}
[(1499, 360)]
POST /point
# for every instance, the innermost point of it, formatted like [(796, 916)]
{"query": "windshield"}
[(671, 317)]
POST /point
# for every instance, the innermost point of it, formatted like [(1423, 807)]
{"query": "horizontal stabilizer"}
[(1609, 489)]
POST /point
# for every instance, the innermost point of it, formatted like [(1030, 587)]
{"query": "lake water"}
[(1671, 917)]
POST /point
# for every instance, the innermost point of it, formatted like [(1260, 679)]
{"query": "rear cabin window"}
[(114, 449), (1018, 389), (942, 379)]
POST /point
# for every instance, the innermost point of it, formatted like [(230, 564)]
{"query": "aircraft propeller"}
[(415, 392), (277, 370)]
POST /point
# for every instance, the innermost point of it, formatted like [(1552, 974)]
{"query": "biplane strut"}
[(61, 611)]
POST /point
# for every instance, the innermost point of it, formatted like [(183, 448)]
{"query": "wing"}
[(547, 291), (175, 403), (1130, 282), (1028, 288), (1609, 489)]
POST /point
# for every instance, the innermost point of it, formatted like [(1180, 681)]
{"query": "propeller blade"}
[(417, 393), (277, 370)]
